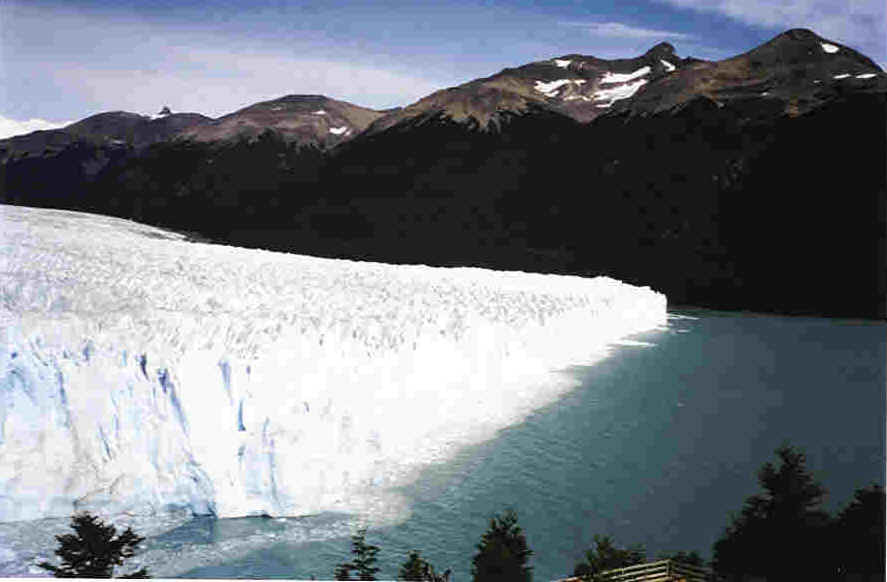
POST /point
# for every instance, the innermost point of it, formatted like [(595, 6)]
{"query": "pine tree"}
[(364, 559), (414, 568), (502, 553), (606, 556), (93, 550), (859, 534), (418, 569), (780, 533)]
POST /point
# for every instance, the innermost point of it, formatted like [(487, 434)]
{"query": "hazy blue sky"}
[(64, 60)]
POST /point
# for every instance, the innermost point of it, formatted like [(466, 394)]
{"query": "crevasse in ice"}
[(143, 373)]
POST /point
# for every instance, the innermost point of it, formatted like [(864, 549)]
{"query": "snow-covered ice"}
[(142, 373), (668, 66), (829, 48), (623, 77), (617, 93), (339, 130), (562, 63)]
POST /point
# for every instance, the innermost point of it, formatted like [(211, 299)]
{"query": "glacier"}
[(144, 374)]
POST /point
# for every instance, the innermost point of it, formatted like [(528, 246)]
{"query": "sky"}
[(61, 61)]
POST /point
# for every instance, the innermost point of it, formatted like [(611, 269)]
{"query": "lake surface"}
[(658, 444)]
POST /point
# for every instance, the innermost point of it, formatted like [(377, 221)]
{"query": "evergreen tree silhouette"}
[(606, 556), (94, 550), (364, 559), (420, 570), (782, 533), (502, 553)]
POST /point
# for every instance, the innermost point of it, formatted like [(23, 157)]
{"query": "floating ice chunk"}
[(620, 92), (842, 76), (866, 76), (623, 77), (339, 130), (550, 89), (628, 342), (319, 112), (829, 48), (668, 66), (562, 64)]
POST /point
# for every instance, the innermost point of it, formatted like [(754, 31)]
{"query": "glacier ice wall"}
[(142, 373)]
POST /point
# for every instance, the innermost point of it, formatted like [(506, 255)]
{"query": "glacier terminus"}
[(143, 373)]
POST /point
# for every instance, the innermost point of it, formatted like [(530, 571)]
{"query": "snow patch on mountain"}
[(562, 63), (616, 93), (143, 373), (319, 112), (339, 130), (829, 48), (841, 76), (550, 89), (624, 77), (866, 75), (668, 66)]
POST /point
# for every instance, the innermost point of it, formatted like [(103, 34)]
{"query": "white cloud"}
[(619, 30), (858, 23), (105, 61), (11, 127), (216, 82)]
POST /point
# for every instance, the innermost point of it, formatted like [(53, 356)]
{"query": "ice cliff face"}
[(143, 373)]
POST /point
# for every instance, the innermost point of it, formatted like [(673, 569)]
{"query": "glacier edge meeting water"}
[(142, 374)]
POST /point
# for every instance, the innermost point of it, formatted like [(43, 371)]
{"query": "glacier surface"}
[(142, 374)]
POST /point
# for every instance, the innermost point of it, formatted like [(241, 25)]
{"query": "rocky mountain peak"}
[(303, 119), (799, 34), (663, 50), (803, 47)]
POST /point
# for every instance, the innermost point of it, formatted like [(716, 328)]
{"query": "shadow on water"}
[(657, 446)]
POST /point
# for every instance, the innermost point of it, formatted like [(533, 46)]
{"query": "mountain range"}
[(755, 182)]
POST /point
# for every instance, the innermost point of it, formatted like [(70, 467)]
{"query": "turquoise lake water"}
[(657, 445)]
